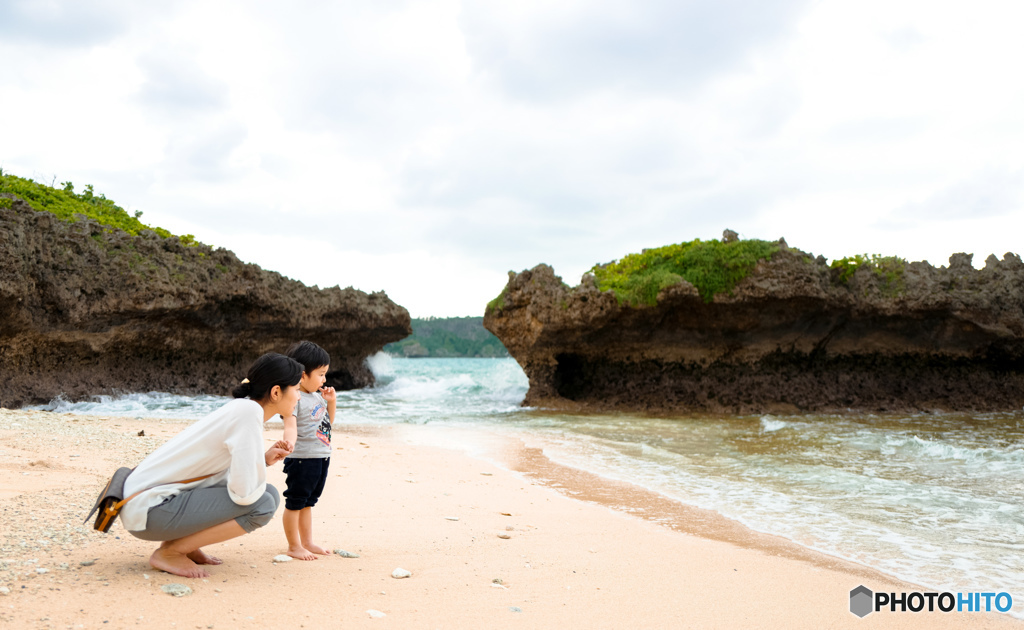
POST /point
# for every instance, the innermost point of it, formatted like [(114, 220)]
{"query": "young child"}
[(309, 429)]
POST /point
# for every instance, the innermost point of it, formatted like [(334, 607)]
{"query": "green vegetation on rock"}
[(497, 303), (448, 337), (889, 269), (65, 204), (712, 266)]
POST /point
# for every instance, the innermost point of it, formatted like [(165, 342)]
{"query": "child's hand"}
[(328, 394), (284, 445)]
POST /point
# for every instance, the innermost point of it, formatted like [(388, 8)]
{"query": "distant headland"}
[(448, 337), (749, 326)]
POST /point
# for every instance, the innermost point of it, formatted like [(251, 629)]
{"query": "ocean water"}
[(935, 499)]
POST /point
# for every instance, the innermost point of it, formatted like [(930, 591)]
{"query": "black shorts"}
[(305, 481)]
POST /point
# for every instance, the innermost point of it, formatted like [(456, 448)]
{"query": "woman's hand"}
[(277, 452)]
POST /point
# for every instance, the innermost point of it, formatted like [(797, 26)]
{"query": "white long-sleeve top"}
[(228, 443)]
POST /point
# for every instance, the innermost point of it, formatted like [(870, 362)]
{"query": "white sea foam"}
[(141, 405), (769, 424), (419, 389), (381, 365)]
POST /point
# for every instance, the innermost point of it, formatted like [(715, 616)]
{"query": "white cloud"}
[(540, 50), (426, 148)]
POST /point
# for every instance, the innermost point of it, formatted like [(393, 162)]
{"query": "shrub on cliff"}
[(65, 203), (889, 269), (711, 266)]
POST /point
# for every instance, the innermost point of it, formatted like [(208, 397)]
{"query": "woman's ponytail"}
[(265, 372), (242, 390)]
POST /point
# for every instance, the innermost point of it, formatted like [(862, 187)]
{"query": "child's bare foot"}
[(316, 549), (200, 557), (301, 553), (176, 563)]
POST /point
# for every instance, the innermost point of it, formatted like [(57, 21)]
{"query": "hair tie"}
[(244, 381)]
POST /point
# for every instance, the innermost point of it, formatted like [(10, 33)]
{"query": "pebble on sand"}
[(175, 589), (4, 590), (400, 573), (504, 536), (88, 563), (376, 614), (346, 554), (282, 558), (452, 518)]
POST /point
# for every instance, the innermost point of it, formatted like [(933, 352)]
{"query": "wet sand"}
[(494, 534)]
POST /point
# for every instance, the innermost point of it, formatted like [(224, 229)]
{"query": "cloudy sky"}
[(425, 148)]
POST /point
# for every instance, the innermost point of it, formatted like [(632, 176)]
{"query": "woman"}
[(226, 445)]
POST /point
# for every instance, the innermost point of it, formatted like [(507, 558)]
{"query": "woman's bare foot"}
[(301, 553), (200, 557), (176, 563), (316, 549)]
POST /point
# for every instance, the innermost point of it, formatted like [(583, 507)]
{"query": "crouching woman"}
[(224, 463)]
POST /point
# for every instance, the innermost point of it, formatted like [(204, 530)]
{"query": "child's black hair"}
[(265, 372), (310, 355)]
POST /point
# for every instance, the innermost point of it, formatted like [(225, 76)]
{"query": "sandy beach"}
[(494, 534)]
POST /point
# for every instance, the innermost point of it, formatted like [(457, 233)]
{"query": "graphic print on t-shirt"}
[(323, 423)]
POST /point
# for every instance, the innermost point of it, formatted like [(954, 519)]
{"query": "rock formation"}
[(86, 309), (793, 336)]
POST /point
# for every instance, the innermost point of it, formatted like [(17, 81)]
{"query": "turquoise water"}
[(934, 498)]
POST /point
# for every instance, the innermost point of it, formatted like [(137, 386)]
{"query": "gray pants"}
[(194, 510)]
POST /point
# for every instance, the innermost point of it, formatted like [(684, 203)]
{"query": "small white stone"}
[(41, 571), (145, 576), (452, 518), (375, 614), (487, 474), (346, 554), (400, 573), (282, 558), (177, 590), (4, 590), (504, 536)]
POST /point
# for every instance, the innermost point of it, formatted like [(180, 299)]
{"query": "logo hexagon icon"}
[(861, 601)]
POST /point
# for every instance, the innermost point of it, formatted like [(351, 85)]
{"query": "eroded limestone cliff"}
[(791, 337), (88, 310)]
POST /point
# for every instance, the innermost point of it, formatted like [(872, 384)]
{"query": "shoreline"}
[(582, 549)]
